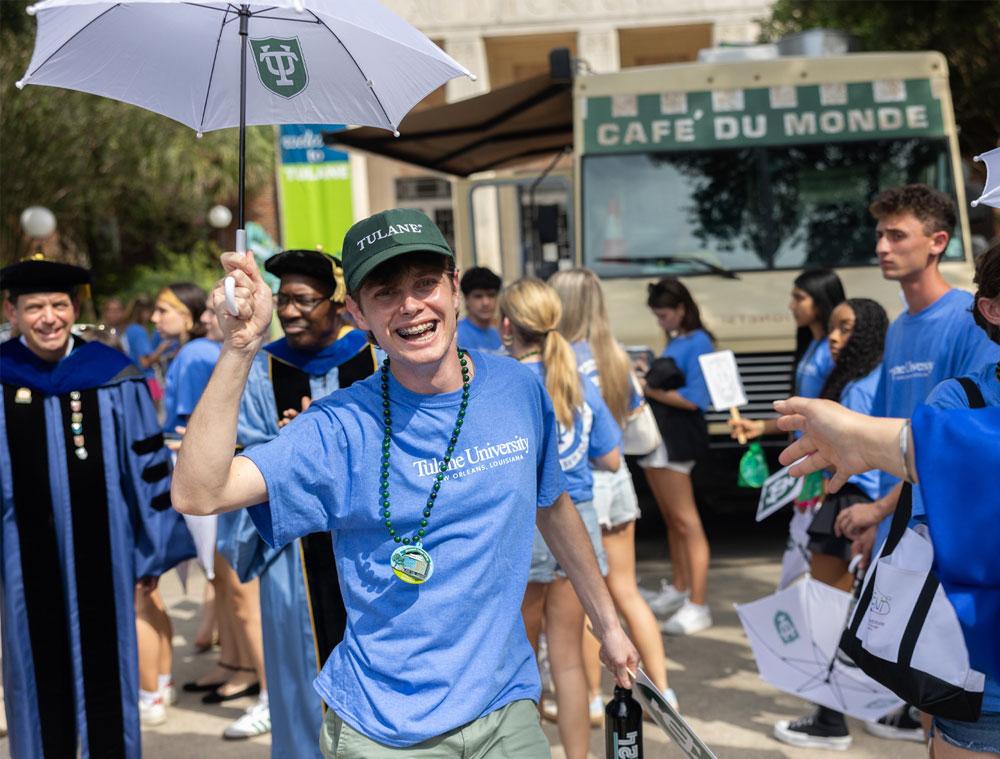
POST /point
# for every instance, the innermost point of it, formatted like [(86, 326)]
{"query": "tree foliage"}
[(125, 184), (965, 31)]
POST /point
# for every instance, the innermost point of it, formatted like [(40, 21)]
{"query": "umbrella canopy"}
[(795, 634), (503, 127), (310, 61), (991, 192)]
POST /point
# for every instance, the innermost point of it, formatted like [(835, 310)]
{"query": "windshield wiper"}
[(668, 260)]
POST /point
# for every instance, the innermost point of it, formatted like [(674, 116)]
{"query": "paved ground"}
[(713, 673)]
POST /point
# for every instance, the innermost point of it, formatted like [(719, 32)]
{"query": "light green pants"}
[(512, 732)]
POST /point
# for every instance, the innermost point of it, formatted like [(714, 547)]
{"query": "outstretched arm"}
[(208, 479), (567, 538)]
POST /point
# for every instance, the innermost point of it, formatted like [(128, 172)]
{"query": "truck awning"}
[(504, 127)]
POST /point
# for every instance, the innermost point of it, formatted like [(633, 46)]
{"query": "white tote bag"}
[(905, 633), (641, 434)]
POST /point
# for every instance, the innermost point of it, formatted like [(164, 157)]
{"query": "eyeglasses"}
[(303, 304)]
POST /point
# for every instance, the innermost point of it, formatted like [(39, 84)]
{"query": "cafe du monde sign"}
[(783, 115)]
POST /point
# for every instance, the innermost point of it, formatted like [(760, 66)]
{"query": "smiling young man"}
[(85, 513), (302, 611), (431, 475), (935, 338)]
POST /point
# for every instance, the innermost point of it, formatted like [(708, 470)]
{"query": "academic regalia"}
[(85, 506), (302, 612), (957, 457)]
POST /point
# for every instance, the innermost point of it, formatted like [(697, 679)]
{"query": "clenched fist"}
[(246, 330)]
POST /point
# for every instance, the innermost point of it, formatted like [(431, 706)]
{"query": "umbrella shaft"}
[(244, 28)]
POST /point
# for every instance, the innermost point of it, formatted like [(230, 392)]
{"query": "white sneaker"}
[(169, 694), (596, 711), (255, 721), (687, 620), (152, 712), (666, 599)]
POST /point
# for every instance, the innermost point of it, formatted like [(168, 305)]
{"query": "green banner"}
[(709, 119), (315, 185)]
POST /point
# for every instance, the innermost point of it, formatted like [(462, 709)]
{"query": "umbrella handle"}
[(230, 283)]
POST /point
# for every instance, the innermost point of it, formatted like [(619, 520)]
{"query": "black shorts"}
[(822, 538)]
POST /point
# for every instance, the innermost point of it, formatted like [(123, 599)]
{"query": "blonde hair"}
[(585, 317), (534, 310)]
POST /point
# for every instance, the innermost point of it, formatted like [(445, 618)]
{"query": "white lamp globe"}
[(220, 217), (38, 222)]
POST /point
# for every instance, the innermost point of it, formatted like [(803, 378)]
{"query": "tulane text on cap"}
[(392, 231)]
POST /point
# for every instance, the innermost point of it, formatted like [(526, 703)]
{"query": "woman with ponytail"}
[(588, 434), (601, 359)]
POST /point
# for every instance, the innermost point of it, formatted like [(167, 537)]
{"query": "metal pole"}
[(244, 25)]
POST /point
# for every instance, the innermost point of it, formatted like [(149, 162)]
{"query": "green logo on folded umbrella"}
[(280, 65)]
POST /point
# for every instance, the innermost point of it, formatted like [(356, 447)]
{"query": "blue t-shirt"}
[(137, 345), (588, 367), (950, 394), (476, 338), (187, 376), (922, 350), (813, 369), (859, 395), (594, 433), (684, 350), (419, 660)]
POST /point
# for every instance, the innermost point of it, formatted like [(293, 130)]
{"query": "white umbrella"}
[(795, 634), (310, 61), (991, 192)]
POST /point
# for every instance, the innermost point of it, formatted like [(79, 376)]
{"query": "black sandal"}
[(217, 698), (195, 687)]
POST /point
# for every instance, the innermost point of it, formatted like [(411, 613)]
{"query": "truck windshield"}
[(746, 209)]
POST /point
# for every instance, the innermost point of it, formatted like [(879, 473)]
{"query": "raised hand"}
[(246, 330)]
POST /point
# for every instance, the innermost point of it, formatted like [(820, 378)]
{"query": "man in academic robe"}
[(301, 607), (85, 502)]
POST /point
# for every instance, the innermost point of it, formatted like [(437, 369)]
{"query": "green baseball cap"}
[(384, 236)]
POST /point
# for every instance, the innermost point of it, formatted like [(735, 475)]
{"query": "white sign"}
[(723, 379), (778, 490), (649, 697)]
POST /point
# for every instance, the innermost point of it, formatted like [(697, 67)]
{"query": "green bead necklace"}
[(410, 562), (529, 354)]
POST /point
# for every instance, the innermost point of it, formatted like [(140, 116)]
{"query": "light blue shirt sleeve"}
[(860, 396), (306, 493), (551, 480), (196, 368), (258, 421), (686, 355)]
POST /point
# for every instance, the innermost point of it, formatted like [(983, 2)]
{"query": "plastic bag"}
[(753, 467)]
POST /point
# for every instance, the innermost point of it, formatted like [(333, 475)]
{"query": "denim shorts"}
[(983, 735), (614, 498), (545, 568)]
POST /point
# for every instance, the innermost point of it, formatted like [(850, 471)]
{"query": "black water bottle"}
[(623, 726)]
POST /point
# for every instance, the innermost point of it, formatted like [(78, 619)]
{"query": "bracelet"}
[(904, 450)]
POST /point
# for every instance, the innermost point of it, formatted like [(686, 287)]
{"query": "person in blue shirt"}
[(669, 473), (530, 312), (935, 338), (477, 331), (951, 394), (302, 611), (857, 337), (952, 454), (432, 475), (601, 359)]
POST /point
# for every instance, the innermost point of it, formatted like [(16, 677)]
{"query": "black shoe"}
[(195, 687), (217, 698), (900, 725), (812, 732)]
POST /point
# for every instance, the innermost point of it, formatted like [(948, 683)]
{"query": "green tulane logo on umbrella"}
[(280, 65)]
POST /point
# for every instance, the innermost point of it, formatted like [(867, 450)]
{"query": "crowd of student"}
[(290, 602)]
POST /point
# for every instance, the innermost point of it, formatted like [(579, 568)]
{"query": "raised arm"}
[(207, 478)]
